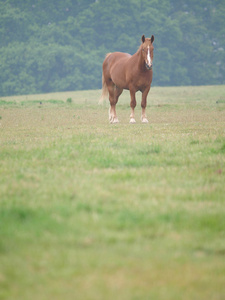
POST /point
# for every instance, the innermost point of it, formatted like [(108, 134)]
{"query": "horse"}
[(131, 72)]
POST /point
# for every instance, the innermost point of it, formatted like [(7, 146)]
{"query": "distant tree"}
[(60, 45)]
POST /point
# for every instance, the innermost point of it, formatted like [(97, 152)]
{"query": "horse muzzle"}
[(148, 67)]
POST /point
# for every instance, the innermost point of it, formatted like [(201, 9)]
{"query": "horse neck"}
[(140, 60)]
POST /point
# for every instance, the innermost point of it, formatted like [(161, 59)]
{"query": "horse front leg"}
[(132, 105), (143, 105)]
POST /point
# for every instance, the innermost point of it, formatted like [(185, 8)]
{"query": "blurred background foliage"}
[(54, 45)]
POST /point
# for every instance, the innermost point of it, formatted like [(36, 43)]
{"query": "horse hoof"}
[(132, 121), (144, 120), (115, 121)]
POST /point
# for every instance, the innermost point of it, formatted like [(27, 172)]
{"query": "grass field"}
[(93, 211)]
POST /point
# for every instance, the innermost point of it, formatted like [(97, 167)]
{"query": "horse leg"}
[(112, 111), (112, 114), (143, 105), (114, 93), (132, 105)]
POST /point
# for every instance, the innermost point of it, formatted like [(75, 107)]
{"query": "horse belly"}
[(118, 69), (119, 78)]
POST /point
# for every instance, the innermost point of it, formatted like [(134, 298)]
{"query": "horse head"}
[(147, 51)]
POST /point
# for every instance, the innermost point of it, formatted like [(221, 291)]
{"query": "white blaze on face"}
[(149, 57)]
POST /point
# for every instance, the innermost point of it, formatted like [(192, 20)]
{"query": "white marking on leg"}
[(132, 121), (110, 115), (144, 119), (115, 120)]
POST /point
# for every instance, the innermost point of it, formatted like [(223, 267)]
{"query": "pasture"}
[(91, 210)]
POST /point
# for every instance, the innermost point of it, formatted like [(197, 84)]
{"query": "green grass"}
[(90, 210)]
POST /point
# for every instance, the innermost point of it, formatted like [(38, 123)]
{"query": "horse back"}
[(115, 68), (115, 58)]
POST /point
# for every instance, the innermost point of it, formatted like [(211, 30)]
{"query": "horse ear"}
[(143, 38), (152, 38)]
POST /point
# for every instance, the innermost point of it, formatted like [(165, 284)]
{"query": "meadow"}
[(93, 211)]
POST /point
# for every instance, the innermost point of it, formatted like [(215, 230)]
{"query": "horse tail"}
[(105, 91)]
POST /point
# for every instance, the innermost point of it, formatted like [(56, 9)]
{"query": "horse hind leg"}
[(111, 116), (114, 93)]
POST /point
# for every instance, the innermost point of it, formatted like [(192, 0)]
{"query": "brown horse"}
[(130, 72)]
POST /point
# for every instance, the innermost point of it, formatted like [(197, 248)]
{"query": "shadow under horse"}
[(131, 72)]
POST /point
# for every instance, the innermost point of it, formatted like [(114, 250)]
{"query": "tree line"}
[(54, 45)]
